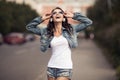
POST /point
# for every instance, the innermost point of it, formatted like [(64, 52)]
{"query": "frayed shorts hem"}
[(58, 72)]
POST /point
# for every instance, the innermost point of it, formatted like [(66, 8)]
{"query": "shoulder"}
[(73, 26), (42, 29)]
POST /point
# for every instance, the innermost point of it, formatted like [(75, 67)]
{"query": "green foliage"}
[(107, 27), (102, 16), (14, 17)]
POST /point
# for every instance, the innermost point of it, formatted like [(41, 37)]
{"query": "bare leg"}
[(62, 78), (51, 78)]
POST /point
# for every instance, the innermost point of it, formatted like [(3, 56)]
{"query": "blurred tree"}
[(14, 17), (105, 15)]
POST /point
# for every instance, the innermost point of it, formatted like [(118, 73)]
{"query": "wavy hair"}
[(65, 24)]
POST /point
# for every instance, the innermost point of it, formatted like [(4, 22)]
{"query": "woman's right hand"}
[(46, 16)]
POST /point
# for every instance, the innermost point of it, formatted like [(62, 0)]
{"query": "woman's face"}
[(57, 15)]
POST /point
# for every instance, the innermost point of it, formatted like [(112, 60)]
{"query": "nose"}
[(57, 13)]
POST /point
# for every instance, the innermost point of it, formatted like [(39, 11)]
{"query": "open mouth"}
[(58, 17)]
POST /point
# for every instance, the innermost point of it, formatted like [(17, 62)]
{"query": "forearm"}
[(84, 21), (32, 26)]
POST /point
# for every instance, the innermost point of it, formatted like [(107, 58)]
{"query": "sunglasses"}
[(58, 12)]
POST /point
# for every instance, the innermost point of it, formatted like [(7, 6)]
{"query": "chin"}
[(58, 21)]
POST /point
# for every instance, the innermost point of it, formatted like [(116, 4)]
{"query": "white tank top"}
[(61, 53)]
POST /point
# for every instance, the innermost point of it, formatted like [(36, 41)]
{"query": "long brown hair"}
[(65, 24)]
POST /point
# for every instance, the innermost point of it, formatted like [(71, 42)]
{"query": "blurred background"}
[(20, 57)]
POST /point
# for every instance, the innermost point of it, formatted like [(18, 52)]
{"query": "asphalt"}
[(26, 62), (90, 63)]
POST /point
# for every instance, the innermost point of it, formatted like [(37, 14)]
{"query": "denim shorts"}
[(58, 72)]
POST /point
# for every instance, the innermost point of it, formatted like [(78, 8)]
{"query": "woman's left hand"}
[(68, 14)]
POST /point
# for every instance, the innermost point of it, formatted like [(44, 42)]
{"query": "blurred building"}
[(45, 6), (72, 5)]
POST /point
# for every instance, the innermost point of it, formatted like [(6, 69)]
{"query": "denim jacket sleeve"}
[(32, 26), (85, 22)]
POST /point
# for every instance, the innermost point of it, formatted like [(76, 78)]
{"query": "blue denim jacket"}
[(72, 39)]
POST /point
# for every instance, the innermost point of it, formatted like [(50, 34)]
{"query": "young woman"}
[(60, 36)]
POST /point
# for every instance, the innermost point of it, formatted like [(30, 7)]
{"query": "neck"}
[(58, 26)]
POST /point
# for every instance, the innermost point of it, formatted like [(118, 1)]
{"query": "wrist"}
[(42, 18), (72, 15)]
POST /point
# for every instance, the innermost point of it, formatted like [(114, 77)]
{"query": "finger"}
[(65, 14), (67, 11), (48, 15)]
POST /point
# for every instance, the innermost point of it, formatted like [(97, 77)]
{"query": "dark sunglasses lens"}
[(61, 12), (58, 12), (54, 13)]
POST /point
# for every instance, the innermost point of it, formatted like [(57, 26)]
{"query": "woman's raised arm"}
[(32, 26), (84, 21)]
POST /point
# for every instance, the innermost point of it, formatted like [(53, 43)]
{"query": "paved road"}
[(26, 62)]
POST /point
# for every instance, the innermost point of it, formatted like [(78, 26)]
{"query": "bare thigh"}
[(50, 78), (62, 78)]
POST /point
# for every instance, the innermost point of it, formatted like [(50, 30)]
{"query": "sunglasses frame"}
[(60, 12)]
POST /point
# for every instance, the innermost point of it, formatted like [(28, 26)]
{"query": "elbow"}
[(90, 22), (28, 27), (43, 49)]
